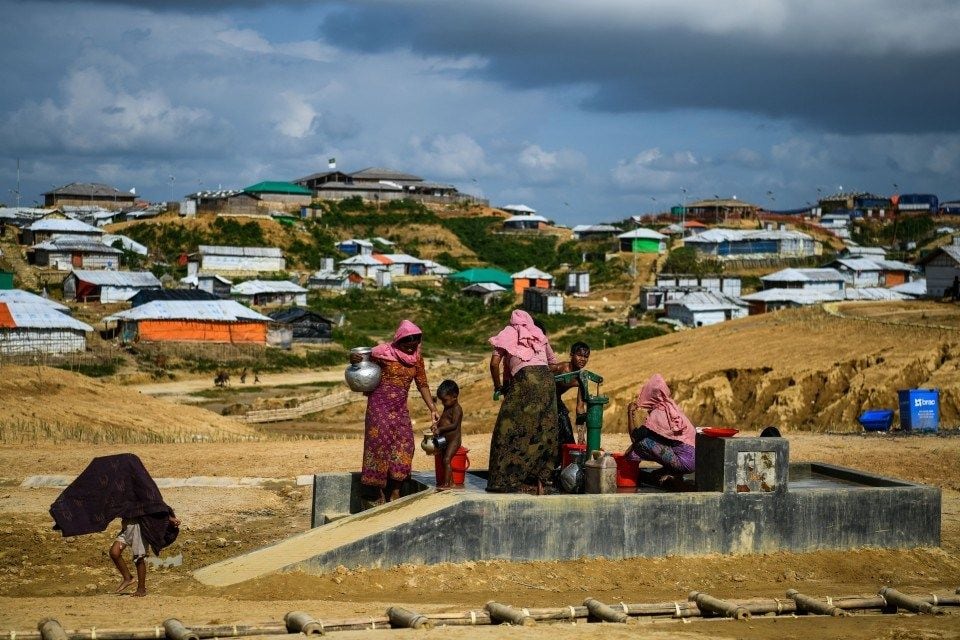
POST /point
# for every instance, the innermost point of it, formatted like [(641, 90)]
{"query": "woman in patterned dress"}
[(524, 442), (388, 432)]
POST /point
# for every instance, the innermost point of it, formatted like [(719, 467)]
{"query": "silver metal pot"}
[(365, 375)]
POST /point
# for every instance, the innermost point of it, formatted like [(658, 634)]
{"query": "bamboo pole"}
[(912, 603), (50, 629), (717, 606), (812, 605), (177, 631), (302, 622), (501, 613), (603, 612), (401, 618)]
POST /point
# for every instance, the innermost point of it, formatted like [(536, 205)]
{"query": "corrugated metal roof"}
[(127, 243), (379, 173), (648, 234), (915, 289), (19, 295), (30, 315), (200, 310), (858, 264), (597, 228), (804, 275), (797, 296), (246, 252), (285, 188), (894, 265), (705, 301), (254, 287), (358, 242), (117, 278), (76, 243), (951, 250), (90, 189), (740, 235), (64, 225), (521, 208), (873, 293), (195, 280), (362, 260), (526, 218), (484, 287), (532, 273)]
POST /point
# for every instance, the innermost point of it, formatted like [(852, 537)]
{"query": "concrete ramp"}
[(292, 553)]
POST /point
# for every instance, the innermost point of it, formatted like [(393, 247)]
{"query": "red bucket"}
[(628, 471), (567, 453), (459, 466)]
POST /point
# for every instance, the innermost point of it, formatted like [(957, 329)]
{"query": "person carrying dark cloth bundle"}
[(112, 487)]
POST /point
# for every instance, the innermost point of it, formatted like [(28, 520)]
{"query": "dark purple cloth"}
[(114, 487)]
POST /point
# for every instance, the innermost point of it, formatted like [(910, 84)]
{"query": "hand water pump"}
[(594, 404)]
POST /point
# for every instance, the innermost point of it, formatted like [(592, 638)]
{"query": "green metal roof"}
[(279, 187), (477, 275)]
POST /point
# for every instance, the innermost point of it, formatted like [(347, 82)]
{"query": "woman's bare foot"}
[(125, 584), (139, 593)]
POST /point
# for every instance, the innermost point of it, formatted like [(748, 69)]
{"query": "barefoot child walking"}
[(131, 536), (447, 429), (112, 487)]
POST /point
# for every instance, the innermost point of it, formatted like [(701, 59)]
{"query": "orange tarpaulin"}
[(6, 320), (192, 331)]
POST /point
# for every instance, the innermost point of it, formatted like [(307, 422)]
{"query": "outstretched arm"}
[(495, 360)]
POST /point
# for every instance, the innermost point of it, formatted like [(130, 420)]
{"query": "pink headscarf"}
[(664, 416), (389, 351), (521, 338)]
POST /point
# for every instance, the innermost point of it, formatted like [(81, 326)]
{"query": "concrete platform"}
[(816, 507)]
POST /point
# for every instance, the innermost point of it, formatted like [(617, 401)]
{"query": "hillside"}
[(802, 369), (41, 403)]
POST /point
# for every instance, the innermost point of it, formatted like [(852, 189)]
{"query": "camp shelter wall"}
[(643, 245), (40, 340), (199, 331), (519, 284), (242, 263)]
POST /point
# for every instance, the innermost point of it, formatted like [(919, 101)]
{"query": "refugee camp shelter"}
[(856, 251), (942, 269), (486, 291), (89, 193), (149, 295), (127, 244), (75, 252), (334, 279), (306, 325), (531, 277), (222, 259), (211, 283), (354, 246), (587, 231), (858, 272), (6, 278), (525, 222), (542, 301), (484, 274), (723, 242), (913, 289), (702, 308), (40, 328), (813, 279), (366, 265), (894, 272), (519, 209), (225, 321), (280, 194), (436, 269), (783, 298), (50, 228), (643, 241), (107, 286), (730, 285), (262, 293), (402, 264), (19, 295)]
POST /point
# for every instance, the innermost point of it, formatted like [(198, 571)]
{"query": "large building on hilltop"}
[(377, 183), (89, 193)]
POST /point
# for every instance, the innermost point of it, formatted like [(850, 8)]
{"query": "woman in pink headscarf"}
[(388, 432), (667, 436), (524, 442)]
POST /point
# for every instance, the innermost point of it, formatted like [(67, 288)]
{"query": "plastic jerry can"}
[(600, 474)]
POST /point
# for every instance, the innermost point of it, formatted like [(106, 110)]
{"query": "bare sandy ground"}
[(72, 578)]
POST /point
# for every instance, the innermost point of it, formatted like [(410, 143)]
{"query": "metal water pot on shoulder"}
[(363, 376)]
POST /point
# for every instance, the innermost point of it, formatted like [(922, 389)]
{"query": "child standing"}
[(448, 427), (130, 536)]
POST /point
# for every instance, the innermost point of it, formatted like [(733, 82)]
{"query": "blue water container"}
[(919, 409)]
